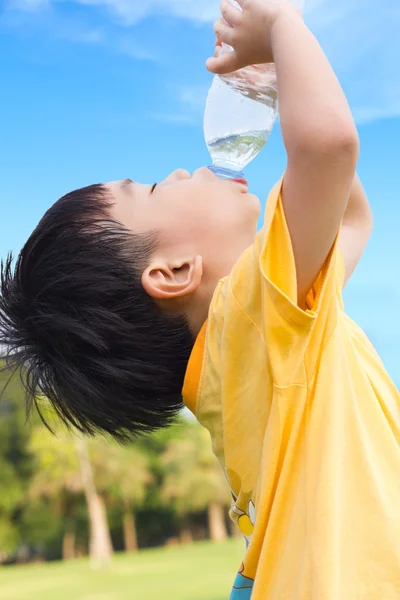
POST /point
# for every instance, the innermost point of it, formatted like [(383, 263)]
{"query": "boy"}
[(126, 292)]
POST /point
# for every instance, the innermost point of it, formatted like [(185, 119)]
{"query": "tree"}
[(15, 461), (63, 472), (57, 477), (194, 481), (10, 498), (122, 474), (100, 539)]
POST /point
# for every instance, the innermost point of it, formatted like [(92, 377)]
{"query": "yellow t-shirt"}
[(306, 424)]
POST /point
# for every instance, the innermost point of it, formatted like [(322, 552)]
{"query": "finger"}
[(224, 32), (230, 13), (227, 63), (218, 50)]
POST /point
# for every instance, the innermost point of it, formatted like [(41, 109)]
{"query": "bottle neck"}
[(223, 171)]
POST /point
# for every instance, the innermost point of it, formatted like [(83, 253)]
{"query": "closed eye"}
[(153, 188)]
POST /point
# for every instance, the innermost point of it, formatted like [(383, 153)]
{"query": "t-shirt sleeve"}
[(277, 265), (265, 286)]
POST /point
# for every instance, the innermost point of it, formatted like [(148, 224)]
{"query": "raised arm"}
[(321, 142), (319, 133), (356, 228)]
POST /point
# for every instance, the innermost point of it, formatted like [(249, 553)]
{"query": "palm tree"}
[(122, 474), (194, 481)]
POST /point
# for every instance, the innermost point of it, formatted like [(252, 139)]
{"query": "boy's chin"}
[(255, 200), (253, 207)]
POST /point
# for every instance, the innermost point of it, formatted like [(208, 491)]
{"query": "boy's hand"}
[(248, 31)]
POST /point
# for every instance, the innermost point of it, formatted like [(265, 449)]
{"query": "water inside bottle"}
[(235, 151)]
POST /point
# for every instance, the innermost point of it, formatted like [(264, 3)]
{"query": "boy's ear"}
[(166, 280)]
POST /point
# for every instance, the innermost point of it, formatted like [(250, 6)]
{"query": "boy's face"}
[(214, 218), (199, 216)]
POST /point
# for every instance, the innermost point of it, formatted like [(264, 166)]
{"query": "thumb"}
[(220, 65)]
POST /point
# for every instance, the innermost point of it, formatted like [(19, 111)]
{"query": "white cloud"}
[(193, 97), (191, 100), (132, 11), (80, 35), (129, 48), (360, 37)]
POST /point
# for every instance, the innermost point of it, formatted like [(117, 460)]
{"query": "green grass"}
[(203, 571)]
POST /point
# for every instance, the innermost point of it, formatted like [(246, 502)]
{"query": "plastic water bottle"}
[(240, 113)]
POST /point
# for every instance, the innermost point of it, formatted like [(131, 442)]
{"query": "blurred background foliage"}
[(64, 497)]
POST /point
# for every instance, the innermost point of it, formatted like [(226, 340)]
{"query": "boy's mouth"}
[(242, 181)]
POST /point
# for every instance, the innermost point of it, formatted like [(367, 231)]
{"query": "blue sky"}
[(96, 90)]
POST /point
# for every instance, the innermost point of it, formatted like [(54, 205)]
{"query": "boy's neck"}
[(198, 306), (196, 321), (195, 308)]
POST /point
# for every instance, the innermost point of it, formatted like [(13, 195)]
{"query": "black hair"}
[(78, 324)]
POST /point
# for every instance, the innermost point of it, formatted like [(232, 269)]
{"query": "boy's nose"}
[(181, 174)]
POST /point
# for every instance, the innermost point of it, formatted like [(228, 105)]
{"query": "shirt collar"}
[(193, 371)]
